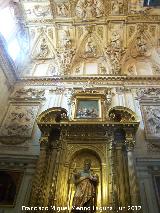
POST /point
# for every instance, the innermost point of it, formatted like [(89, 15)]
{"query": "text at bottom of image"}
[(97, 208)]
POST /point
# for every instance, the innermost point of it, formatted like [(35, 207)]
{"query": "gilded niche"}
[(85, 182), (86, 188)]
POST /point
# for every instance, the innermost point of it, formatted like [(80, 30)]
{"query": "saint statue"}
[(86, 187)]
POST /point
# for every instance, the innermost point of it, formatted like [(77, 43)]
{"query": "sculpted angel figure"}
[(86, 188)]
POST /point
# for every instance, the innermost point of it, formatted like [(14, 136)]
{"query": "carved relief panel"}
[(89, 9), (19, 121), (151, 117)]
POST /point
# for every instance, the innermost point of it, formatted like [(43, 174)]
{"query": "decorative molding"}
[(148, 93), (100, 80), (28, 94)]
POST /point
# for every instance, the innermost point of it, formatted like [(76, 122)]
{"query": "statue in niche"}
[(141, 45), (90, 47), (66, 40), (116, 40), (44, 49), (86, 189)]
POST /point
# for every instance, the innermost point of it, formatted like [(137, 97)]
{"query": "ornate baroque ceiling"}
[(70, 37)]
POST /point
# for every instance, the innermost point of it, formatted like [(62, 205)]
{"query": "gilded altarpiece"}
[(67, 142)]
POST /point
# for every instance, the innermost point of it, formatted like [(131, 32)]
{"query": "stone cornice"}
[(74, 21), (100, 80)]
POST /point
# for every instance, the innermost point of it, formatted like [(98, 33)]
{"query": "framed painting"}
[(9, 186), (88, 108)]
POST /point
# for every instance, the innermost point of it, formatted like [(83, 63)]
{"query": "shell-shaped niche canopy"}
[(52, 115), (122, 114)]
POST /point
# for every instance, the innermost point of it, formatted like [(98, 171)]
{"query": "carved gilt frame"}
[(90, 107)]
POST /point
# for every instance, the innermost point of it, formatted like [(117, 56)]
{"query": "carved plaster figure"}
[(66, 40), (88, 9), (44, 49), (90, 46), (141, 45)]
